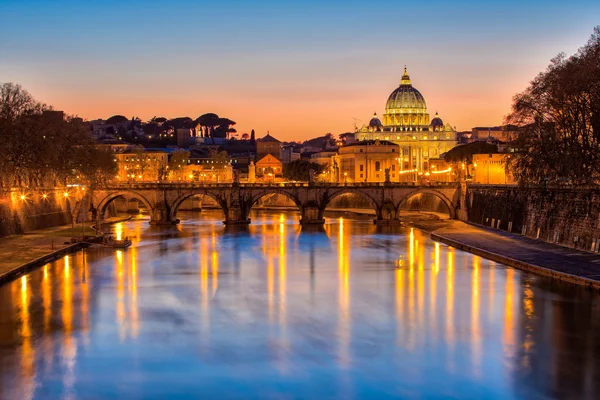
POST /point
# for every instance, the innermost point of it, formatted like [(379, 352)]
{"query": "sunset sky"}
[(297, 69)]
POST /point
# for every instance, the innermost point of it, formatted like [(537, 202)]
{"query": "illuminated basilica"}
[(406, 123)]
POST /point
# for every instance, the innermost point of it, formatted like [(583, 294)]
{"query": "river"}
[(352, 310)]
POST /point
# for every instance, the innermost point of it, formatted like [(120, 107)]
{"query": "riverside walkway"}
[(523, 253), (21, 253)]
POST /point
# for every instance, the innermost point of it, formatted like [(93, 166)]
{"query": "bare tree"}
[(559, 120)]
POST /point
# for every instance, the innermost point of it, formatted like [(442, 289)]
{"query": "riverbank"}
[(20, 254), (524, 253)]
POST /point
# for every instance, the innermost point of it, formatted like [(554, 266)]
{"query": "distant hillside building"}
[(185, 137), (504, 134), (268, 145), (288, 154)]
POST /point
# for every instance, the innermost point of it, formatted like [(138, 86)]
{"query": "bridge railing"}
[(201, 185)]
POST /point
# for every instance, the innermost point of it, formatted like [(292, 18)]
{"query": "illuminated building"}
[(269, 166), (406, 123), (491, 169), (268, 145), (140, 165), (365, 161)]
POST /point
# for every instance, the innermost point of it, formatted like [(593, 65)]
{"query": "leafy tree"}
[(207, 123), (177, 162), (37, 148), (158, 120), (299, 170), (463, 154), (96, 165), (178, 123), (219, 158), (245, 136), (559, 120), (117, 119)]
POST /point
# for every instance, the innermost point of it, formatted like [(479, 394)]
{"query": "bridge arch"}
[(256, 196), (179, 201), (436, 193), (374, 204), (103, 204)]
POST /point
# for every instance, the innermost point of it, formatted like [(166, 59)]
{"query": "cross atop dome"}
[(405, 78)]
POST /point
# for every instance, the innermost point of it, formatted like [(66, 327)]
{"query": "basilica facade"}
[(406, 123)]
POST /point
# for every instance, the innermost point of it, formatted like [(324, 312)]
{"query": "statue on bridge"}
[(387, 175), (251, 172), (311, 176)]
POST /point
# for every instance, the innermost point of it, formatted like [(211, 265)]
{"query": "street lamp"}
[(345, 178)]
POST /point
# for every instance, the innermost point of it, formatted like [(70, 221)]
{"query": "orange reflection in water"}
[(344, 296), (46, 298), (528, 311), (282, 274), (120, 305), (509, 323), (119, 230), (204, 293), (69, 355), (28, 371), (450, 339), (133, 294), (410, 342), (433, 287), (420, 250), (475, 316)]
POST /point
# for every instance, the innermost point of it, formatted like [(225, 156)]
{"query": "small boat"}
[(117, 244)]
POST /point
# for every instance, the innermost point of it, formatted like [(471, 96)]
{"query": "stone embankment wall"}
[(33, 212), (568, 217)]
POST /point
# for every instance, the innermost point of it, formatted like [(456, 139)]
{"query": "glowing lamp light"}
[(44, 196), (23, 197), (66, 194)]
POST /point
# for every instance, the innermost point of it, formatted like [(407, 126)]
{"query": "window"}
[(377, 166), (361, 150), (361, 168), (393, 150), (393, 167), (361, 175)]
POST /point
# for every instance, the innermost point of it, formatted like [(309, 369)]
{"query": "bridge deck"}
[(200, 185), (524, 253)]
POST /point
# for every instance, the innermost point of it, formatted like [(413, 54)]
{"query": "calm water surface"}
[(350, 311)]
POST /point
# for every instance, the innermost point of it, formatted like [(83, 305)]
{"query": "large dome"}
[(405, 108), (405, 96)]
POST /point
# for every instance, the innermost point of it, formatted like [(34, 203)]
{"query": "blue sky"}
[(298, 69)]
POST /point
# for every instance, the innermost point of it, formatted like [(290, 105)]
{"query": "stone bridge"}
[(164, 199)]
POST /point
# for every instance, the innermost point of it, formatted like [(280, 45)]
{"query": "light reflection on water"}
[(347, 311)]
